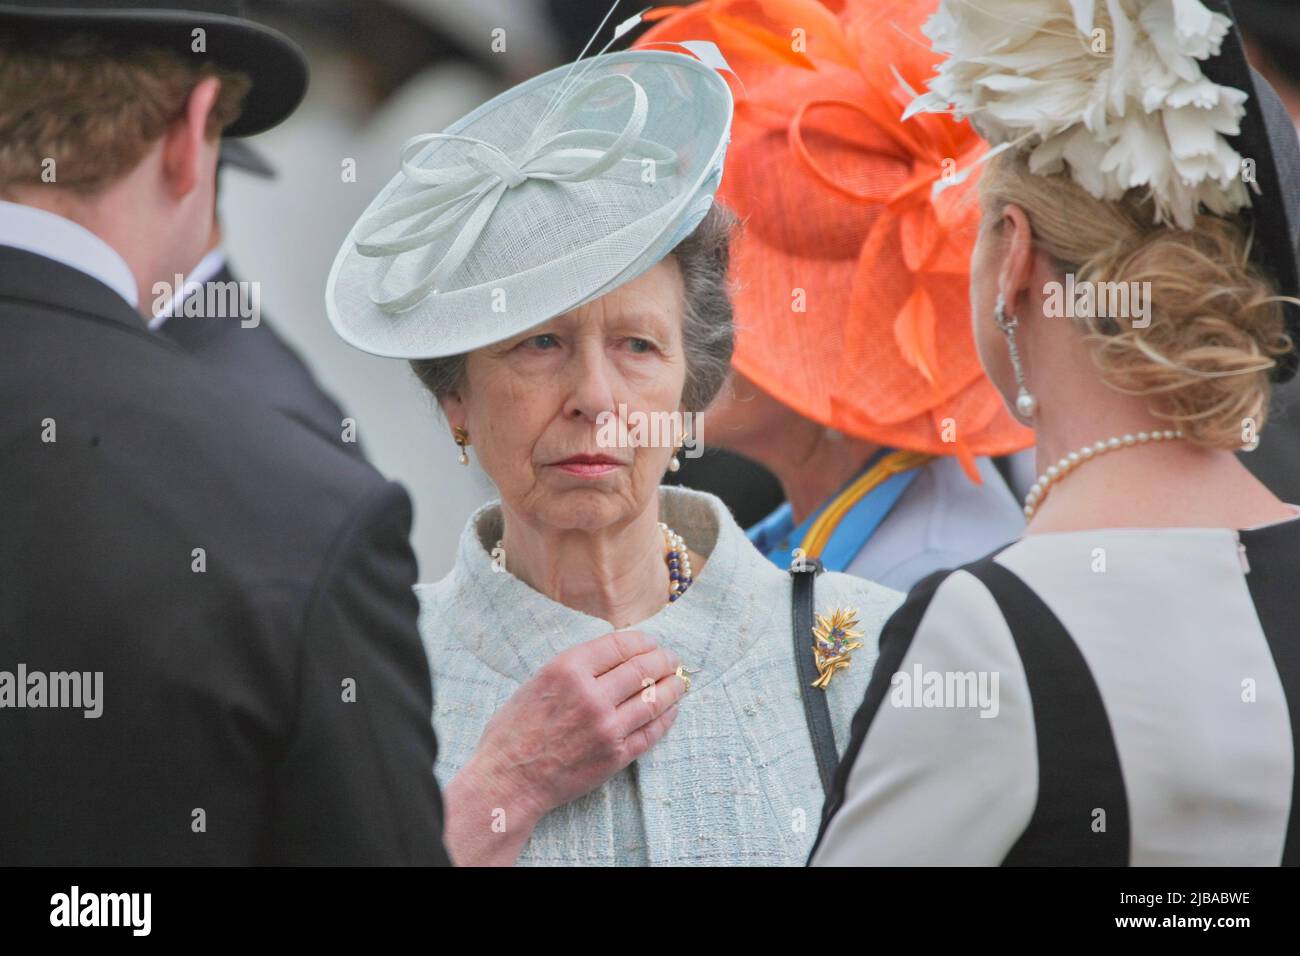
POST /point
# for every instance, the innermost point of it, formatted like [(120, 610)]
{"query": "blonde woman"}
[(1121, 686)]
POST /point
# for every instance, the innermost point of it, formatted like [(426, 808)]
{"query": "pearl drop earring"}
[(1026, 403), (461, 437), (674, 463)]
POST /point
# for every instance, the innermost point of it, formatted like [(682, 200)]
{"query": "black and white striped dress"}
[(1109, 697)]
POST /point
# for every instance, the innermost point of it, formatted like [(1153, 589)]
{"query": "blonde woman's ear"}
[(1018, 256)]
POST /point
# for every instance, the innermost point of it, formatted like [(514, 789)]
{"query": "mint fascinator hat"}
[(546, 197)]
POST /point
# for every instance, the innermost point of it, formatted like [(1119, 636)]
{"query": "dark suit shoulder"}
[(254, 359), (225, 569), (129, 408)]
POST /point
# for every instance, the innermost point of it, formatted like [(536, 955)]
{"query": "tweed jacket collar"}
[(522, 629)]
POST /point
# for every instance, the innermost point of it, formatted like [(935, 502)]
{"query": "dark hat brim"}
[(1268, 139), (237, 154), (275, 63)]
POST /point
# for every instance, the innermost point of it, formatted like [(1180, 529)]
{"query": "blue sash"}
[(777, 537)]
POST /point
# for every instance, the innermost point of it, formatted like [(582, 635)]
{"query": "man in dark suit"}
[(250, 355), (208, 650)]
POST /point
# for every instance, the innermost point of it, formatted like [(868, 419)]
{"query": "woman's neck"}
[(1159, 484), (617, 574)]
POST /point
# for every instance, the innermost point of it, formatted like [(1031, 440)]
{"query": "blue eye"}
[(542, 342), (640, 346)]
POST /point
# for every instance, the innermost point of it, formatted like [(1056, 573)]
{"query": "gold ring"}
[(682, 673)]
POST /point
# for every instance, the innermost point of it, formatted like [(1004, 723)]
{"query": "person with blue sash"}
[(838, 530)]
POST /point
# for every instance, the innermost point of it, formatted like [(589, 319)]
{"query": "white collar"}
[(208, 266), (56, 237)]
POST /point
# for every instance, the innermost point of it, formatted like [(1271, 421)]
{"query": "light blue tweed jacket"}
[(734, 781)]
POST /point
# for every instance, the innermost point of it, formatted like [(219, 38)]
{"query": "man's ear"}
[(1018, 256), (184, 142)]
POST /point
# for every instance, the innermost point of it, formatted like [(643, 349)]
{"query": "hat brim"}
[(1268, 138), (275, 63)]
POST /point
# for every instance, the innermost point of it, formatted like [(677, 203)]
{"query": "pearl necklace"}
[(678, 560), (1074, 459)]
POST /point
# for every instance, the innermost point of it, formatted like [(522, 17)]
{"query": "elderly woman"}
[(560, 291), (1138, 644)]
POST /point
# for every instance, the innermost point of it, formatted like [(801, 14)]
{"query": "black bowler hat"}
[(1268, 137), (275, 63)]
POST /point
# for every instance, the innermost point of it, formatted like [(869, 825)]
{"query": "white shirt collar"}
[(55, 237), (208, 266)]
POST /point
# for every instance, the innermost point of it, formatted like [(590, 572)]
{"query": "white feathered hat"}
[(1154, 95), (546, 197)]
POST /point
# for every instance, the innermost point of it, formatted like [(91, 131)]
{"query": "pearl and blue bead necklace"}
[(678, 559)]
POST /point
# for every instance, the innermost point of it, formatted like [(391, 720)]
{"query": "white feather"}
[(1137, 113)]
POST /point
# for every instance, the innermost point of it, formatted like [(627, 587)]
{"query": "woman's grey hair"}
[(708, 333)]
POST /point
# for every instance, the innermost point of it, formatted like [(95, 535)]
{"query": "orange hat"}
[(839, 220)]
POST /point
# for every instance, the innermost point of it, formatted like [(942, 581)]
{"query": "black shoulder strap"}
[(815, 709), (895, 640), (1272, 553), (1081, 818)]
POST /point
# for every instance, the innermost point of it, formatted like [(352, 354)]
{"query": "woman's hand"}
[(583, 717)]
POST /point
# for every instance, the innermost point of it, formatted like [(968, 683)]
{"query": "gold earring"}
[(461, 437)]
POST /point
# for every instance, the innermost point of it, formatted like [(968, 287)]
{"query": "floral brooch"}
[(834, 643)]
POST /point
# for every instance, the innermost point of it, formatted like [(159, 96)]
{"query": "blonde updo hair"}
[(1216, 321)]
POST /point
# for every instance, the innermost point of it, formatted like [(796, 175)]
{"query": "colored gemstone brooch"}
[(834, 643)]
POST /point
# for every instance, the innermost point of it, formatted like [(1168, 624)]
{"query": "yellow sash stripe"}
[(892, 464)]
